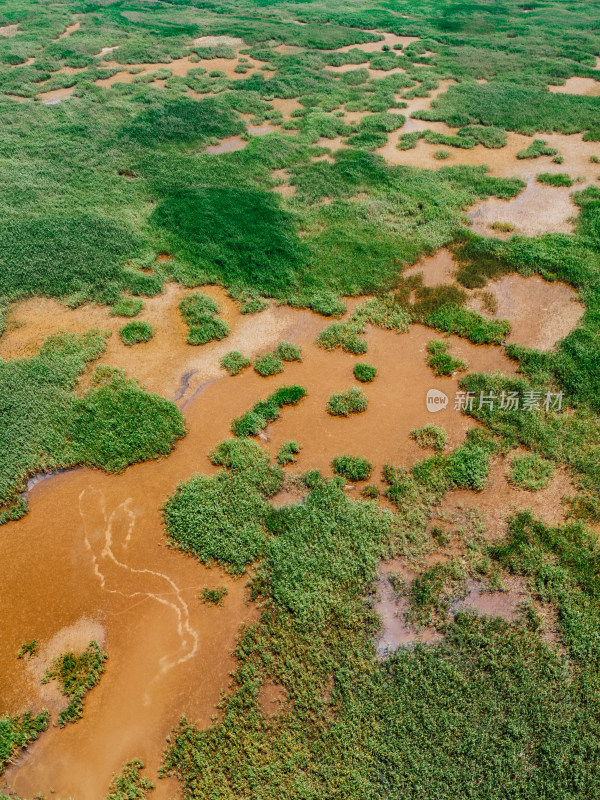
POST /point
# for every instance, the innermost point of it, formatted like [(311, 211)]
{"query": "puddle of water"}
[(587, 86), (69, 30), (392, 609), (179, 67), (500, 499), (56, 96), (539, 208), (389, 39), (541, 313), (229, 145), (436, 269), (504, 604), (92, 544)]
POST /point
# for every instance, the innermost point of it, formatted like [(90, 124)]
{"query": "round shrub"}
[(364, 373), (269, 364), (352, 401), (353, 468), (136, 332), (530, 472)]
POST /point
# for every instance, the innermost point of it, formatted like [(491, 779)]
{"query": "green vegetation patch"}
[(235, 362), (430, 436), (536, 149), (265, 411), (365, 373), (47, 426), (514, 108), (342, 404), (469, 324), (17, 731), (136, 332), (440, 360), (531, 472), (352, 468), (29, 649), (130, 784), (76, 675), (554, 178), (269, 364), (223, 232), (127, 307), (199, 312), (287, 351), (213, 597), (288, 452)]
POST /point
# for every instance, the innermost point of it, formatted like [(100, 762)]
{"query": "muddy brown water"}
[(557, 309), (90, 560)]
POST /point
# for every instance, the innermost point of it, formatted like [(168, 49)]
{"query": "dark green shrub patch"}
[(440, 360), (17, 731), (269, 364), (200, 314), (342, 404), (136, 332), (127, 307), (130, 784), (365, 373), (265, 411), (352, 468), (235, 362), (554, 179)]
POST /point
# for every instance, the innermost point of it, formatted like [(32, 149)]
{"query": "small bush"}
[(441, 155), (28, 649), (554, 179), (440, 360), (287, 351), (370, 492), (288, 453), (531, 472), (536, 149), (364, 373), (234, 362), (136, 332), (353, 468), (130, 784), (502, 227), (213, 597), (209, 331), (254, 421), (430, 436), (342, 335), (76, 675), (269, 364), (352, 401), (127, 307)]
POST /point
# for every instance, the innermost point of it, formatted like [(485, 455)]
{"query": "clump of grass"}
[(441, 155), (364, 373), (265, 411), (554, 178), (127, 307), (287, 351), (234, 362), (531, 472), (557, 160), (469, 324), (342, 404), (370, 492), (200, 314), (288, 453), (430, 436), (76, 675), (440, 360), (342, 335), (502, 227), (130, 784), (29, 649), (269, 364), (213, 597), (536, 149), (352, 468), (19, 730), (489, 301), (136, 332), (595, 159)]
